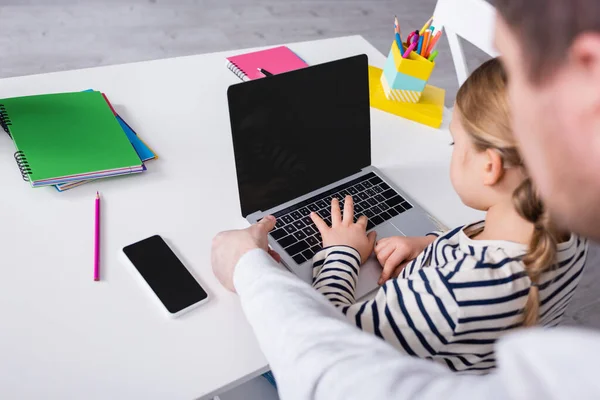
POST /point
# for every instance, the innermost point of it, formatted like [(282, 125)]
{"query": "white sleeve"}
[(316, 354), (553, 364)]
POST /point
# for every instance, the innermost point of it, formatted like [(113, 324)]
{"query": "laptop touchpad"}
[(370, 272), (387, 230)]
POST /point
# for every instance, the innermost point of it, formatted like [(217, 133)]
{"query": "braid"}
[(485, 114), (541, 255)]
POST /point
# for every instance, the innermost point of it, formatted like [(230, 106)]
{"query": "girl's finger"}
[(383, 253), (336, 214), (321, 225), (381, 243), (363, 221), (372, 236), (348, 210), (390, 266), (399, 268)]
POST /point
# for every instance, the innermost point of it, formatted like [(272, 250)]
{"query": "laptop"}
[(302, 138)]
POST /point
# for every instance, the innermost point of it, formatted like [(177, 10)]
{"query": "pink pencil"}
[(97, 240), (409, 49)]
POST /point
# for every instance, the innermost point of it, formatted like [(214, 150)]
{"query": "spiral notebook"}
[(142, 150), (276, 60), (67, 137)]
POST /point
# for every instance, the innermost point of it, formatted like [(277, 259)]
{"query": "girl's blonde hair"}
[(483, 104)]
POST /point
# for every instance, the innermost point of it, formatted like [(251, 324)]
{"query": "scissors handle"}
[(413, 37)]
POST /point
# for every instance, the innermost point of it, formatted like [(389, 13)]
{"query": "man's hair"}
[(546, 29)]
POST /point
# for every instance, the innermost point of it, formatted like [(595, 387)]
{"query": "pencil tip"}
[(97, 195)]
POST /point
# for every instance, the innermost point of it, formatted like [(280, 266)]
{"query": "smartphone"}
[(167, 277)]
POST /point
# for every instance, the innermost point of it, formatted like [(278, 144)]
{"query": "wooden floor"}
[(51, 35)]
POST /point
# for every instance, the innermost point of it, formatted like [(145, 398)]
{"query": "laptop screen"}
[(296, 132)]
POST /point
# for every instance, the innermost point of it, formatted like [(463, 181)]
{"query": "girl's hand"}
[(344, 232), (395, 252)]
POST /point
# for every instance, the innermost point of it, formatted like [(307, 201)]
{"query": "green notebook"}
[(67, 136)]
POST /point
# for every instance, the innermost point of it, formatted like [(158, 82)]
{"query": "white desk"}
[(65, 336)]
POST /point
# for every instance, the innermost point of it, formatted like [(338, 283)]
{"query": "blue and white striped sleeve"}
[(335, 272), (435, 233), (423, 259), (417, 315)]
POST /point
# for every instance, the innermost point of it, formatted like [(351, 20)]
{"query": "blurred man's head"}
[(551, 51)]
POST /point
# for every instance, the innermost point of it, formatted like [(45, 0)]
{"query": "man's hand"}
[(344, 231), (229, 247)]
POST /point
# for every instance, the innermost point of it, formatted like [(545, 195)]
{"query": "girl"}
[(457, 292)]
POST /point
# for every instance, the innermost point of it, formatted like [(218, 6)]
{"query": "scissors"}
[(412, 37)]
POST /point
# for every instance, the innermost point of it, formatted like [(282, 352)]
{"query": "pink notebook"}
[(276, 61)]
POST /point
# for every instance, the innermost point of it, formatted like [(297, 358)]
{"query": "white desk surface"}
[(65, 336)]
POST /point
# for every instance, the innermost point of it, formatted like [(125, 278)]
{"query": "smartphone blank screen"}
[(167, 276)]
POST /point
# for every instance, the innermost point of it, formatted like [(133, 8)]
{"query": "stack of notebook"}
[(68, 139)]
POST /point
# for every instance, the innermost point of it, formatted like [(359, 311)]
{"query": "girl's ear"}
[(493, 168)]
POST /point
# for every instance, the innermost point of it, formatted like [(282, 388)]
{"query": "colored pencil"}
[(425, 42), (420, 46), (409, 49), (433, 42), (397, 26), (433, 56), (97, 240), (424, 28)]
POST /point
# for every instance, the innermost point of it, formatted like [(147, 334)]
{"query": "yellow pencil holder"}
[(404, 79)]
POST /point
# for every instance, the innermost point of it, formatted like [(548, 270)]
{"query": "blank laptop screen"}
[(299, 131)]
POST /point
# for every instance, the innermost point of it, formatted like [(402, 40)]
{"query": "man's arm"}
[(316, 354)]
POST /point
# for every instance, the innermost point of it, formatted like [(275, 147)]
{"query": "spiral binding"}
[(23, 165), (237, 70), (5, 121)]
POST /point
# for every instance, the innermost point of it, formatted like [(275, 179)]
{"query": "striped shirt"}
[(455, 299)]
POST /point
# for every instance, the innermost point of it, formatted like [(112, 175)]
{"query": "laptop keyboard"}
[(300, 238)]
